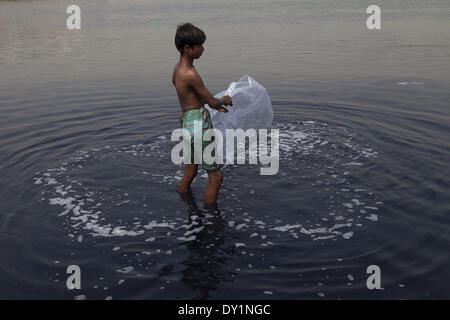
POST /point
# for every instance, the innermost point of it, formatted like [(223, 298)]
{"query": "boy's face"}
[(195, 51)]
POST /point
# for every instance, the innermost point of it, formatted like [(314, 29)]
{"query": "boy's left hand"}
[(222, 109)]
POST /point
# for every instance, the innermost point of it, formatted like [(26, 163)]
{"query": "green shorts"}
[(187, 122)]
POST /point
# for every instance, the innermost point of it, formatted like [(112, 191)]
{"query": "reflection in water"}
[(208, 254)]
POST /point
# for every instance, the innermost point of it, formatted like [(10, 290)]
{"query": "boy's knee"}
[(191, 171), (217, 176)]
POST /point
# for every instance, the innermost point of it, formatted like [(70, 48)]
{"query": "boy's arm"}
[(205, 96), (202, 100)]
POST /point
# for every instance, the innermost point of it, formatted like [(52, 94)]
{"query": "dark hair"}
[(188, 34)]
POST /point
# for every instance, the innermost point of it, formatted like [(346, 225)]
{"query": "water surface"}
[(85, 127)]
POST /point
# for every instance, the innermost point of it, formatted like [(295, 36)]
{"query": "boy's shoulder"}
[(184, 74)]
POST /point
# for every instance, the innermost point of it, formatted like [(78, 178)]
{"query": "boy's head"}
[(189, 40)]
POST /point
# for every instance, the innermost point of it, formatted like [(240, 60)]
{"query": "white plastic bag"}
[(251, 108)]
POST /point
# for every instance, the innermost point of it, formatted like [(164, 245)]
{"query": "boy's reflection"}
[(206, 262)]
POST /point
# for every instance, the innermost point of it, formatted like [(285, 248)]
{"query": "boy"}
[(192, 95)]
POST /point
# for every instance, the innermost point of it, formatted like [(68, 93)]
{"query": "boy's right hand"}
[(227, 101)]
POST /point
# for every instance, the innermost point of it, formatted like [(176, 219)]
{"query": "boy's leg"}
[(189, 199), (190, 171), (212, 189)]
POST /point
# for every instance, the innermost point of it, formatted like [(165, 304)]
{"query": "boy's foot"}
[(188, 198), (187, 191), (211, 207)]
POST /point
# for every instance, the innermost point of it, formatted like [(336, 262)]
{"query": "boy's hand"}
[(227, 101), (222, 109)]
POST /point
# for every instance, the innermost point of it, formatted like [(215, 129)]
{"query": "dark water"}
[(86, 176)]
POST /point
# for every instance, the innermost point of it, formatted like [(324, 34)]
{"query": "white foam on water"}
[(348, 235), (354, 164), (196, 230), (191, 238), (372, 217), (324, 151), (286, 227), (127, 269), (324, 238), (155, 224)]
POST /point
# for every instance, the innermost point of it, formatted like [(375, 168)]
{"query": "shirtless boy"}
[(192, 95)]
